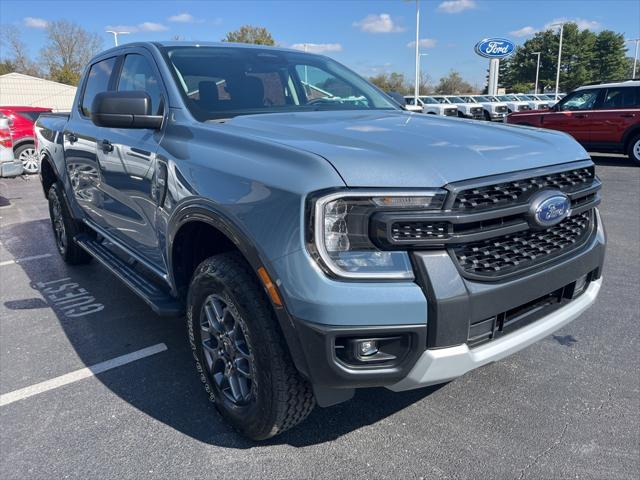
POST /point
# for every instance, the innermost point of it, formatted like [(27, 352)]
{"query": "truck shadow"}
[(164, 386), (605, 160)]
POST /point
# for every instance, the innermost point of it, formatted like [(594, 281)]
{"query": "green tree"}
[(391, 82), (250, 34), (7, 66), (609, 61), (452, 84)]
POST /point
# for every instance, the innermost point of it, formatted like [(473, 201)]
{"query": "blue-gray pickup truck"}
[(317, 237)]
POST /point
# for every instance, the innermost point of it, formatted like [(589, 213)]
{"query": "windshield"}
[(441, 100), (468, 99), (456, 100), (429, 100), (222, 82), (508, 98), (483, 99)]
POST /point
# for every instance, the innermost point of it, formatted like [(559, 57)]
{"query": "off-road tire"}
[(280, 397), (64, 236)]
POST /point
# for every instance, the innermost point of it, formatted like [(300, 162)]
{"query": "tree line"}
[(586, 57)]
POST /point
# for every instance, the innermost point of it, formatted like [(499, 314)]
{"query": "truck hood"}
[(403, 149)]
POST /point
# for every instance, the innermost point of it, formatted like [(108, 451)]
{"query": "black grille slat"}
[(503, 255), (414, 230), (519, 191)]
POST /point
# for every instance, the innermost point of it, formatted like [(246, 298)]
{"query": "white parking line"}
[(24, 259), (62, 380)]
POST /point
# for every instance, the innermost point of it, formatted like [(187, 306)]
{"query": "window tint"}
[(97, 82), (30, 115), (229, 81), (138, 75), (581, 100), (627, 97)]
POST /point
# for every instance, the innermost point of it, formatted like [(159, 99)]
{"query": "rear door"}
[(618, 110), (574, 114), (79, 142), (128, 159)]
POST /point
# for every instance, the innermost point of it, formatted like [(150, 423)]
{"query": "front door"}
[(572, 114), (128, 160)]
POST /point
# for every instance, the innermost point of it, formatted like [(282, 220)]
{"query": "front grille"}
[(451, 111), (501, 109), (503, 255), (411, 230), (519, 191), (524, 107), (476, 110)]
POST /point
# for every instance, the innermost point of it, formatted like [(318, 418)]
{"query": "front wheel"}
[(634, 149), (240, 353)]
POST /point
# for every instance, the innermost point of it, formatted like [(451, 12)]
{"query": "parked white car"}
[(465, 109), (493, 111), (411, 105), (514, 104), (9, 165), (534, 103), (431, 106)]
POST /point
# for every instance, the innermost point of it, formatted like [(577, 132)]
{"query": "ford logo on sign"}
[(495, 47), (548, 208)]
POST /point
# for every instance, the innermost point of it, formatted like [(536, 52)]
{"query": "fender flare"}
[(22, 140), (629, 133), (204, 210)]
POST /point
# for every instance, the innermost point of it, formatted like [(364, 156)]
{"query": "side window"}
[(627, 97), (97, 82), (138, 75), (581, 100)]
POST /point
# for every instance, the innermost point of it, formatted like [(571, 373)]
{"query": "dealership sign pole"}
[(494, 49)]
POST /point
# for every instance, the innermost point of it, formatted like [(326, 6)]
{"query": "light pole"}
[(561, 24), (115, 35), (416, 87), (635, 56), (421, 55), (537, 72)]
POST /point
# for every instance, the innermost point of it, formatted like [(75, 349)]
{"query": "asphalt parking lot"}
[(566, 407)]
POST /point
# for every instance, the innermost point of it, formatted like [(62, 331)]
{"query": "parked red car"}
[(21, 120), (603, 118)]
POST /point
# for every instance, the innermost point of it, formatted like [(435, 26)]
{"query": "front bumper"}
[(440, 365), (10, 169)]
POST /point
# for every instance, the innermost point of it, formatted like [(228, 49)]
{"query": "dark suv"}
[(603, 118)]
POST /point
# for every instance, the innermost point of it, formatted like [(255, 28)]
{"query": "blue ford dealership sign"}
[(495, 47)]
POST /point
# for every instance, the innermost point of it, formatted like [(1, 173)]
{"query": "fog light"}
[(366, 348), (580, 286)]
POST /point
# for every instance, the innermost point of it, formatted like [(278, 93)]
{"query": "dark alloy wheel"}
[(229, 361), (65, 228), (240, 353)]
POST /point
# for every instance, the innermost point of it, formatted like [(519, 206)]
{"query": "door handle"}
[(581, 115), (71, 137), (107, 146), (628, 115)]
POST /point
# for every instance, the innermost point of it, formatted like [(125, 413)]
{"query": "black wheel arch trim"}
[(21, 141), (629, 134), (204, 210)]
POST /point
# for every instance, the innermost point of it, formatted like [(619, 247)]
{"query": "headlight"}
[(340, 225)]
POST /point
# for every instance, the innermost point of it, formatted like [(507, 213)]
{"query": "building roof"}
[(17, 89)]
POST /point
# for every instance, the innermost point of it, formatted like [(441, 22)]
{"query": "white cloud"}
[(581, 22), (424, 43), (183, 17), (524, 31), (317, 47), (456, 6), (33, 22), (381, 23), (152, 27), (141, 27)]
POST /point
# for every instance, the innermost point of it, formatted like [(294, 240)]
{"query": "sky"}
[(371, 36)]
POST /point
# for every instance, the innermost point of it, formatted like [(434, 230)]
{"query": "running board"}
[(160, 301)]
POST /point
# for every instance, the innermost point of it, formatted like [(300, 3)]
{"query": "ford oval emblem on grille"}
[(548, 208)]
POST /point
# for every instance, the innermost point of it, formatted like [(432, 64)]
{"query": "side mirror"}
[(398, 98), (124, 110)]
